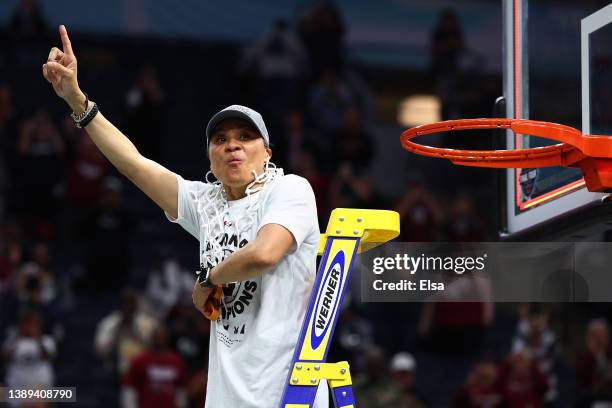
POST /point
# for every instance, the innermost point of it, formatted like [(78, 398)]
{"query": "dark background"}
[(80, 248)]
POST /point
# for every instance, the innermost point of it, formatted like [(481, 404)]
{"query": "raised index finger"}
[(65, 40)]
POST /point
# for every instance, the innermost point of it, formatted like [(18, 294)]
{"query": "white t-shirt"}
[(253, 341), (28, 366)]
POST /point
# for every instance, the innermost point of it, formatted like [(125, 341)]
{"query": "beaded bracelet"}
[(84, 118), (89, 117)]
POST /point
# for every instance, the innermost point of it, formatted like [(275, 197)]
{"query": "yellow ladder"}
[(350, 231)]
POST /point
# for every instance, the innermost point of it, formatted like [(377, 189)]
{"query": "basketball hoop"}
[(592, 154)]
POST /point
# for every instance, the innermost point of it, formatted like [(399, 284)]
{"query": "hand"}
[(61, 71), (199, 295)]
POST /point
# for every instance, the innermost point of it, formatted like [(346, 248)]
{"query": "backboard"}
[(557, 68)]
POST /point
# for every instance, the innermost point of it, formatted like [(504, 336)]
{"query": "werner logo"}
[(327, 299)]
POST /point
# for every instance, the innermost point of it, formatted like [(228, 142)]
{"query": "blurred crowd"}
[(523, 370), (76, 308)]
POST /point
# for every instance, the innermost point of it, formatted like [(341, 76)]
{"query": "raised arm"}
[(157, 182)]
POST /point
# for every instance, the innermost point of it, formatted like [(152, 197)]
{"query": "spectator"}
[(353, 338), (7, 115), (278, 63), (144, 117), (374, 388), (8, 138), (123, 333), (28, 22), (521, 382), (88, 170), (464, 223), (298, 137), (29, 354), (327, 102), (462, 313), (107, 233), (322, 32), (40, 167), (11, 259), (362, 95), (534, 335), (480, 389), (307, 156), (40, 137), (156, 377), (403, 370), (11, 255), (447, 46), (36, 283), (167, 284), (351, 189), (353, 143), (594, 365), (276, 68), (85, 185), (189, 337), (421, 214), (310, 167), (447, 43)]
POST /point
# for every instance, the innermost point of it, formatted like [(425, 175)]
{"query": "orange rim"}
[(574, 147)]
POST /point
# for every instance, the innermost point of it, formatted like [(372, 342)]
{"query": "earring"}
[(209, 174)]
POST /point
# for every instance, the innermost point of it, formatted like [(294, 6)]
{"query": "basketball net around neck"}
[(213, 210)]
